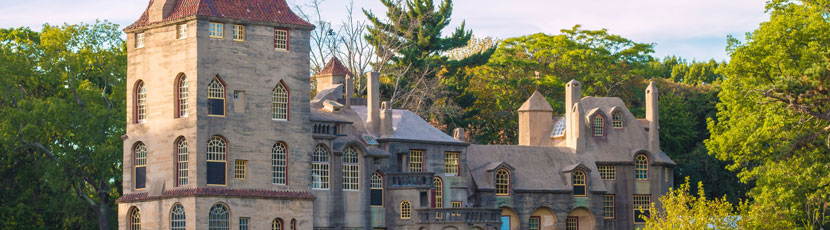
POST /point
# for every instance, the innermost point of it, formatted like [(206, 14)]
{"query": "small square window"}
[(281, 39), (607, 172), (182, 31), (456, 204), (139, 40), (239, 169), (238, 33), (217, 30), (243, 223)]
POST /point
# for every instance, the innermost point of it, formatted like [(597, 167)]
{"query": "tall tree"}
[(410, 50), (774, 117), (62, 105)]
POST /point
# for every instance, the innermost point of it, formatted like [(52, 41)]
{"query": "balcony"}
[(410, 180), (459, 215)]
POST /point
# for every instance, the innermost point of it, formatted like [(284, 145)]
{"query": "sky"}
[(691, 29)]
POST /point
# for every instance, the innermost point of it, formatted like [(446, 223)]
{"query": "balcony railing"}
[(410, 180), (465, 215)]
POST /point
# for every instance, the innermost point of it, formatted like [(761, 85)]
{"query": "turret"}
[(653, 118), (333, 74), (535, 120)]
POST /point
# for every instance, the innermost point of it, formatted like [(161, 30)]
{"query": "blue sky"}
[(692, 29)]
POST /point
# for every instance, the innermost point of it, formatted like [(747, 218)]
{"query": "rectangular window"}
[(666, 174), (238, 33), (416, 160), (139, 40), (451, 163), (243, 223), (572, 223), (641, 202), (239, 169), (320, 176), (533, 223), (608, 206), (281, 39), (350, 177), (456, 204), (217, 30), (608, 172), (182, 31)]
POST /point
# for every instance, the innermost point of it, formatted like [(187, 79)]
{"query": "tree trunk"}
[(104, 216)]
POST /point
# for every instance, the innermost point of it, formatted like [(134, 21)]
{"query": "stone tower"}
[(535, 120), (217, 117)]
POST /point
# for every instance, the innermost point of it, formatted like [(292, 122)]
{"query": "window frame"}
[(452, 165), (227, 217), (216, 30), (575, 222), (182, 157), (351, 183), (287, 39), (246, 223), (224, 97), (182, 91), (617, 119), (646, 207), (538, 223), (238, 32), (275, 103), (638, 162), (376, 183), (140, 102), (140, 163), (612, 207), (240, 169), (598, 126), (275, 166), (181, 31), (277, 224), (406, 210), (321, 150), (139, 40), (579, 178), (416, 154), (175, 222), (438, 183), (505, 183), (607, 172), (134, 218), (225, 160)]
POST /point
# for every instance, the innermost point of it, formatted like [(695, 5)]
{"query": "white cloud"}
[(676, 26)]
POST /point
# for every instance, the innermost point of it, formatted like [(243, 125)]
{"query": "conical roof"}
[(536, 102), (335, 67)]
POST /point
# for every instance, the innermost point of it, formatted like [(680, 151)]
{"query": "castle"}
[(222, 134)]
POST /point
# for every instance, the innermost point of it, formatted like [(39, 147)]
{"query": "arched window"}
[(641, 167), (320, 168), (351, 169), (276, 224), (140, 154), (598, 125), (178, 219), (217, 160), (439, 192), (134, 218), (293, 224), (216, 98), (377, 189), (406, 210), (140, 102), (181, 96), (181, 161), (578, 179), (617, 118), (219, 217), (278, 166), (502, 182), (279, 103)]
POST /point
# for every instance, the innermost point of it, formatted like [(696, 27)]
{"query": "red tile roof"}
[(271, 11), (335, 67), (247, 193)]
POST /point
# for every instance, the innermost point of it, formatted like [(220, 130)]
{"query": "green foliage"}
[(774, 116), (683, 210), (61, 117)]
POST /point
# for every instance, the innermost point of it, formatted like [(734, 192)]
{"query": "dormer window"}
[(578, 178), (598, 125), (502, 182), (617, 118)]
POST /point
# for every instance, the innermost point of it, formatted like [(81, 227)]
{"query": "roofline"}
[(422, 141), (162, 23)]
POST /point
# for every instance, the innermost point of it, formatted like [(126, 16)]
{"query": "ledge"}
[(223, 192)]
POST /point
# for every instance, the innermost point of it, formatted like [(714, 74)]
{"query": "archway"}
[(583, 218), (544, 217), (509, 219)]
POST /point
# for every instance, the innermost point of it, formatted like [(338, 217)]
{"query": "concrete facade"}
[(399, 158)]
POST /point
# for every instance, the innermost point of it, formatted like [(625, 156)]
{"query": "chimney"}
[(575, 127), (159, 9), (373, 103), (459, 134), (347, 89), (535, 120), (573, 94), (653, 119), (386, 129)]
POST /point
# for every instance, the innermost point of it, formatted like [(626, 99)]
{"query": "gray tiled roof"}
[(409, 126)]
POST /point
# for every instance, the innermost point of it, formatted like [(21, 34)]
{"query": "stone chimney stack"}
[(347, 91), (373, 103), (160, 9), (386, 128), (459, 134), (576, 127), (573, 94), (535, 120), (653, 119)]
